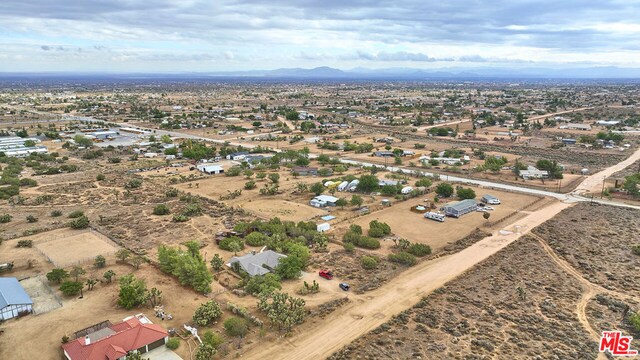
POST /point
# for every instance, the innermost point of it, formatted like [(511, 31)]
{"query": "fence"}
[(58, 237)]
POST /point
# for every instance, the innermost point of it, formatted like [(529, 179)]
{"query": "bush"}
[(26, 182), (56, 213), (171, 193), (236, 326), (207, 313), (31, 219), (228, 244), (419, 250), (356, 229), (25, 243), (423, 182), (5, 218), (466, 193), (349, 247), (180, 218), (256, 239), (161, 209), (265, 284), (636, 250), (250, 185), (361, 241), (403, 258), (133, 184), (79, 223), (76, 214), (100, 177), (369, 262), (378, 229), (173, 343)]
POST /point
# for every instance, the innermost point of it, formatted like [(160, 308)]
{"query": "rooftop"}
[(12, 293)]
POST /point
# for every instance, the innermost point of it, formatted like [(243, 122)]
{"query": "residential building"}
[(237, 155), (257, 263), (14, 301), (533, 173), (490, 199), (323, 201), (210, 169), (573, 126), (384, 154), (113, 342), (460, 208)]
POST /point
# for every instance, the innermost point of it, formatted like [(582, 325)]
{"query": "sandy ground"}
[(287, 210), (415, 228), (409, 287), (86, 245), (593, 183)]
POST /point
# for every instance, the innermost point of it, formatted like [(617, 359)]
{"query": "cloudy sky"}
[(219, 35)]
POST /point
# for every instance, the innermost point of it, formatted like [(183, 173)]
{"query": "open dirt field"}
[(481, 314), (596, 240), (415, 228), (43, 297), (286, 210), (67, 247)]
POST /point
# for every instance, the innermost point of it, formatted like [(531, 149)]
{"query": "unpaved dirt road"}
[(378, 306)]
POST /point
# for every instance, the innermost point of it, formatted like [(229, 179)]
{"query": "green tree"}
[(236, 326), (282, 310), (368, 184), (466, 193), (551, 166), (71, 288), (444, 190), (123, 254), (77, 271), (109, 275), (423, 182), (356, 200), (133, 292), (290, 267), (57, 275), (317, 188), (369, 262), (342, 202), (91, 283), (632, 185), (100, 261), (207, 313), (274, 177), (217, 262), (79, 223), (205, 352)]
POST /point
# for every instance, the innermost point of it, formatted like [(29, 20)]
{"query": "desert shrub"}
[(249, 185), (636, 250), (171, 193), (369, 262), (76, 214), (349, 247), (180, 218), (403, 258), (378, 229), (419, 250), (27, 182), (423, 182), (133, 292), (161, 209), (31, 219), (235, 326), (100, 261), (56, 213), (25, 243), (356, 229), (207, 313), (256, 239), (100, 177), (5, 218), (229, 244), (173, 343), (192, 210), (79, 223), (466, 193), (133, 184)]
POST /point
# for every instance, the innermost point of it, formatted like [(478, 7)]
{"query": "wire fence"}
[(57, 237)]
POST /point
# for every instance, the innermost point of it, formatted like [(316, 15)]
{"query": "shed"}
[(460, 208), (323, 227), (323, 200), (14, 300)]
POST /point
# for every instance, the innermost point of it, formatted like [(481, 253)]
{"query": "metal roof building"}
[(259, 263), (13, 299), (460, 208)]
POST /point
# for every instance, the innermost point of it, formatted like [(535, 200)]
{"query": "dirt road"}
[(363, 315), (593, 183)]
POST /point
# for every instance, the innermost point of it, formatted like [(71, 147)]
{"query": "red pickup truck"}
[(326, 274)]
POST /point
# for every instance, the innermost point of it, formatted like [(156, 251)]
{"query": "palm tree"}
[(91, 283)]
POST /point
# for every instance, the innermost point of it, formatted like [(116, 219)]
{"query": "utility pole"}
[(602, 192)]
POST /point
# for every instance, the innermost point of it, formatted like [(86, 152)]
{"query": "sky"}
[(177, 36)]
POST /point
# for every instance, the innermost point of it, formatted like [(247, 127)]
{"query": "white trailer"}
[(434, 216)]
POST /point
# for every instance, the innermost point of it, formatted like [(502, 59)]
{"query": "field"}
[(481, 314), (86, 245), (270, 208), (415, 228)]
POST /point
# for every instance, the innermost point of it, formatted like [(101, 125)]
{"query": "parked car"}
[(326, 274), (344, 286)]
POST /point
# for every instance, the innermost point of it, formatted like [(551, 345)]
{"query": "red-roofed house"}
[(135, 333)]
